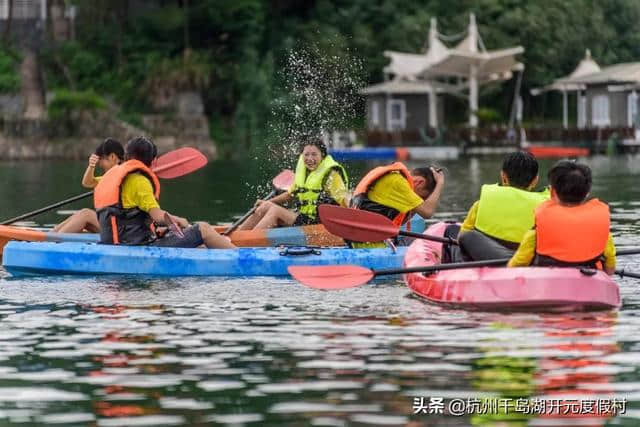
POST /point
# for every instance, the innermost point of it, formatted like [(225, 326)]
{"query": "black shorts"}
[(303, 219), (192, 239)]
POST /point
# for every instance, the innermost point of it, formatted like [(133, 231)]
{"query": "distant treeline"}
[(232, 50)]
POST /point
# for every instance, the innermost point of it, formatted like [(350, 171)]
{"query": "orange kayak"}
[(548, 151), (308, 235)]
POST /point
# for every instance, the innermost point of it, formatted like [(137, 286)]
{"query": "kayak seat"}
[(480, 247)]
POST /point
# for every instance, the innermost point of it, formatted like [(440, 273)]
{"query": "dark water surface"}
[(270, 352)]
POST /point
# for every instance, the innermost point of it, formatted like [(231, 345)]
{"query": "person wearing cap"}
[(319, 179), (108, 154), (126, 201)]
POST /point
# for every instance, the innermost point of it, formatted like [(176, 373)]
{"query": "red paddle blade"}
[(356, 225), (331, 277), (283, 180), (179, 162)]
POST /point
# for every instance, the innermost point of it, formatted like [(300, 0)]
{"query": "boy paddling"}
[(569, 230)]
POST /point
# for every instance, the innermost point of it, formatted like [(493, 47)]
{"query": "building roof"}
[(400, 86), (589, 72), (620, 73), (491, 65), (415, 73), (405, 65), (585, 67)]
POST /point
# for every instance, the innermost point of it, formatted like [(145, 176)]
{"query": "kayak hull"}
[(30, 258), (518, 289), (308, 235)]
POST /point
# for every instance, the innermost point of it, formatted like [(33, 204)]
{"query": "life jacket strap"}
[(547, 261), (114, 230)]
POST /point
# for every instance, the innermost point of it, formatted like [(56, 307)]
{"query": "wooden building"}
[(605, 97), (411, 97)]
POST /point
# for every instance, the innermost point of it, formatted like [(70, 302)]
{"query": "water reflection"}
[(115, 351), (191, 355)]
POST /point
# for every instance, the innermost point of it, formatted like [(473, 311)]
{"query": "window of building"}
[(397, 114), (600, 111), (632, 109), (375, 114)]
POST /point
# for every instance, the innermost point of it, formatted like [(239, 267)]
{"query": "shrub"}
[(66, 102), (9, 77)]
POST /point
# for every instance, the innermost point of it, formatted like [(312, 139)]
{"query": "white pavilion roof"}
[(572, 82), (458, 63)]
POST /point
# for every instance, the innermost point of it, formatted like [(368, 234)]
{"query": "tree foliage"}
[(238, 47)]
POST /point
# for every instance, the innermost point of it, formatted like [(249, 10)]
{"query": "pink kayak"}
[(499, 288)]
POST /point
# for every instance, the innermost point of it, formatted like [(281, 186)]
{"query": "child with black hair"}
[(108, 154), (497, 222), (398, 192), (569, 230)]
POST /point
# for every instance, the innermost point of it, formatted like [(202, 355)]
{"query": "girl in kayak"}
[(126, 201), (569, 230), (319, 179), (108, 154)]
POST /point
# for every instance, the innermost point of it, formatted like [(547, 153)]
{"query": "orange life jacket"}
[(571, 235), (361, 201), (131, 226)]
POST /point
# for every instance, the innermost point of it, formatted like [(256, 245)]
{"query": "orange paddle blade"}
[(331, 277), (179, 162), (283, 180), (356, 225)]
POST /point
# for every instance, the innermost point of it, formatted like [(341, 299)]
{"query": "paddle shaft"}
[(633, 251), (244, 217), (441, 267), (428, 237), (31, 214), (622, 273), (46, 208)]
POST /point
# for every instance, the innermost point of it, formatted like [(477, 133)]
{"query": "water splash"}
[(319, 93)]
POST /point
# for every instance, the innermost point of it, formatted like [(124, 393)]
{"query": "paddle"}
[(170, 165), (363, 226), (281, 182), (348, 276), (622, 273), (173, 226)]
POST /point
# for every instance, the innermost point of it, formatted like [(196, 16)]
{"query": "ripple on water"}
[(38, 394), (66, 418), (143, 420), (216, 386), (264, 351), (299, 387), (236, 419)]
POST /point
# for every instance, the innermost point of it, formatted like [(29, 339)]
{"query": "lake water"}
[(269, 352)]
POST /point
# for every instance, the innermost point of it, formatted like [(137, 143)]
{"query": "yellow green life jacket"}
[(506, 213), (309, 187)]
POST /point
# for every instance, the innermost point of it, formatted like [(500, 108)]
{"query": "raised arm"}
[(89, 179)]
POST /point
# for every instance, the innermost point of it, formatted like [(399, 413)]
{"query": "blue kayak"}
[(42, 258)]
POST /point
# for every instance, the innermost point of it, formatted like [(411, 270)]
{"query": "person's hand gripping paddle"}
[(281, 182)]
